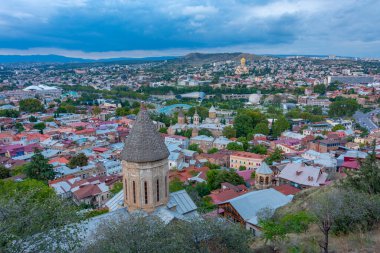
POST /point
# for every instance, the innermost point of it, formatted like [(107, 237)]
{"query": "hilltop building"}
[(242, 68), (212, 123)]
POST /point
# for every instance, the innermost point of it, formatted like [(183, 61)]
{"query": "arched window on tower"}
[(134, 191), (126, 188), (166, 186), (146, 192), (158, 190)]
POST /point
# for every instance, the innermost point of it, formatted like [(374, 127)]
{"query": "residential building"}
[(248, 160)]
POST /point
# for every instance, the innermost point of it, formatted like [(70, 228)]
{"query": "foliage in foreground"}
[(149, 234), (30, 209)]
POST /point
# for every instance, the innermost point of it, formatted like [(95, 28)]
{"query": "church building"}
[(145, 176), (212, 123)]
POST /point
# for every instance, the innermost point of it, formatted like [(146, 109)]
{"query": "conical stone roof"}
[(144, 143)]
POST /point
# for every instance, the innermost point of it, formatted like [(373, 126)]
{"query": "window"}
[(166, 186), (146, 192), (126, 188), (158, 190), (134, 191)]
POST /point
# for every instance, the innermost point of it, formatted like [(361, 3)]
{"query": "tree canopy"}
[(206, 132), (198, 235), (235, 146), (280, 125), (31, 105), (4, 172), (78, 160), (343, 107), (30, 207), (338, 127), (368, 177), (39, 168), (216, 177), (9, 113), (246, 121), (276, 156), (229, 132)]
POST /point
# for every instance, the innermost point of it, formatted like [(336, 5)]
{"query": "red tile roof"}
[(189, 172), (224, 196), (351, 164), (248, 155), (59, 160), (100, 149), (86, 191), (286, 189)]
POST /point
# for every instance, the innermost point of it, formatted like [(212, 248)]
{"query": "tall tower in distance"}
[(212, 112), (181, 117), (145, 166), (196, 118)]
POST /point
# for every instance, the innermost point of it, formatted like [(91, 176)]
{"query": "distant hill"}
[(63, 59), (201, 58)]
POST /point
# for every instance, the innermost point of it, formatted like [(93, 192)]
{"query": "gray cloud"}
[(347, 27)]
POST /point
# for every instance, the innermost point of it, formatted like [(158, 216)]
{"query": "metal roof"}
[(249, 204), (184, 204)]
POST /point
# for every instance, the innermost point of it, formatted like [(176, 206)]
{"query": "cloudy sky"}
[(139, 28)]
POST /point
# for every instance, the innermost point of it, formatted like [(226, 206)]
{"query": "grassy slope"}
[(308, 242)]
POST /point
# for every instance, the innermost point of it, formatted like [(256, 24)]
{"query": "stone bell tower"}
[(145, 166)]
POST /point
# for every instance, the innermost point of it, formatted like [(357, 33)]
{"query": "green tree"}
[(33, 119), (261, 128), (163, 130), (39, 168), (320, 89), (212, 166), (229, 132), (31, 105), (343, 107), (212, 151), (176, 185), (235, 146), (29, 209), (9, 113), (333, 86), (244, 142), (338, 127), (276, 156), (206, 132), (280, 125), (344, 211), (246, 120), (96, 110), (275, 228), (216, 177), (243, 125), (367, 178), (122, 111), (40, 126), (197, 235), (195, 147), (241, 167), (117, 187), (259, 149), (135, 104), (4, 172), (201, 110), (79, 160), (202, 189)]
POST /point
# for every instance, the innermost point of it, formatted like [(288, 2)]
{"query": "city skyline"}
[(112, 29)]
